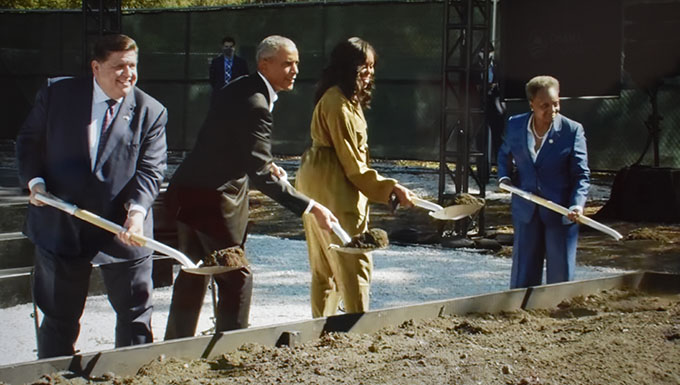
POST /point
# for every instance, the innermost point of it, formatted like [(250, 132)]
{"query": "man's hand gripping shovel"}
[(94, 219)]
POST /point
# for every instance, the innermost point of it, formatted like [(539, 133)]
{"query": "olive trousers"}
[(336, 275)]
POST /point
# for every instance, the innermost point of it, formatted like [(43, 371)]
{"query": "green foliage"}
[(179, 3), (41, 4), (126, 4)]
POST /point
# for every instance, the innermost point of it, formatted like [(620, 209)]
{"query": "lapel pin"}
[(550, 141)]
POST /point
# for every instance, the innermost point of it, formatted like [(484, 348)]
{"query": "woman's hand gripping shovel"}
[(561, 210), (94, 219), (337, 229)]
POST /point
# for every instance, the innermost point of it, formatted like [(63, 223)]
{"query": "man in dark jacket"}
[(209, 191), (227, 66), (98, 142)]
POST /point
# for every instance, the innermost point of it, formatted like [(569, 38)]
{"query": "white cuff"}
[(136, 207), (309, 206), (576, 207), (34, 182)]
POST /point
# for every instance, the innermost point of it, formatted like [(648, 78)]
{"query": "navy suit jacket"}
[(238, 68), (209, 191), (53, 144), (560, 174)]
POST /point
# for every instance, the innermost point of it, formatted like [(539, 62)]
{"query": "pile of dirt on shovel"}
[(467, 199), (230, 257), (371, 239)]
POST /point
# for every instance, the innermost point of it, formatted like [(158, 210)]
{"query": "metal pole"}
[(213, 292), (35, 315), (493, 22), (464, 134), (655, 124), (443, 132)]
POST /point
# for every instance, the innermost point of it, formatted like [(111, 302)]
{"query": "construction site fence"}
[(176, 46)]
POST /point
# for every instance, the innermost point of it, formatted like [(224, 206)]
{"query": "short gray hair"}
[(271, 45), (538, 83)]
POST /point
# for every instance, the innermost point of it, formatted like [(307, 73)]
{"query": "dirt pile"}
[(610, 337), (467, 199), (231, 257), (371, 239)]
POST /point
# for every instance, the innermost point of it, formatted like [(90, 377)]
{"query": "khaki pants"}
[(335, 276)]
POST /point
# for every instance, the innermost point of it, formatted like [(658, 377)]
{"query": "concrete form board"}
[(15, 283), (126, 361)]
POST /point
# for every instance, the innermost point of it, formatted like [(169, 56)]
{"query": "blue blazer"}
[(560, 174), (53, 144)]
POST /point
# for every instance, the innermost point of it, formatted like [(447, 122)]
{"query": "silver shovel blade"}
[(353, 250), (427, 205), (455, 212), (211, 270)]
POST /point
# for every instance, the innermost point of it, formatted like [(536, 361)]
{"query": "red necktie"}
[(108, 116)]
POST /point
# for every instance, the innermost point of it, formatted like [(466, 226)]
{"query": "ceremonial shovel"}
[(561, 210), (338, 230), (449, 213), (187, 264), (345, 238)]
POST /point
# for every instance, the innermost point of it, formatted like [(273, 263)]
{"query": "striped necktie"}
[(227, 69)]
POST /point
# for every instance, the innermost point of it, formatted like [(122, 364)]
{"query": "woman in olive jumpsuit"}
[(335, 173)]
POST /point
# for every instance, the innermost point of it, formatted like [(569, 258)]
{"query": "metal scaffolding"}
[(464, 135)]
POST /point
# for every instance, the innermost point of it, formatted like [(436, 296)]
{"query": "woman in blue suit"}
[(544, 153)]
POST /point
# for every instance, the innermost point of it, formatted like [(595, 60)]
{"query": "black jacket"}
[(209, 191)]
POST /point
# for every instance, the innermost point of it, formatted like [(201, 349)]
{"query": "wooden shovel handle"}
[(561, 210), (107, 225), (115, 228)]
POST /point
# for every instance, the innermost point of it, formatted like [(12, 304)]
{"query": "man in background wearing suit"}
[(98, 142), (544, 153), (209, 191), (227, 66)]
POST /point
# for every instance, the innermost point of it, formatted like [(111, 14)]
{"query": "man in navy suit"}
[(544, 153), (227, 66), (208, 194), (98, 142)]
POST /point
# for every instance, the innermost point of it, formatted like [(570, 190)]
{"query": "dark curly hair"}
[(347, 58)]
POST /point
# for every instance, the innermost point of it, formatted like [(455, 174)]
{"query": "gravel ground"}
[(611, 337)]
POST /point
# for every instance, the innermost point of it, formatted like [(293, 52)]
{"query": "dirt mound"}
[(231, 257), (371, 239), (609, 337), (647, 233)]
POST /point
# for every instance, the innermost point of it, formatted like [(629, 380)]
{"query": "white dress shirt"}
[(531, 140), (273, 97), (94, 131)]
